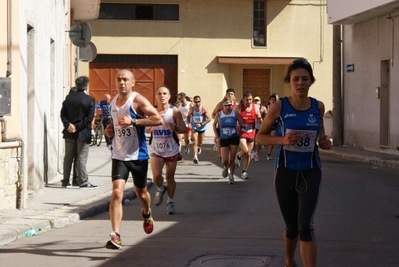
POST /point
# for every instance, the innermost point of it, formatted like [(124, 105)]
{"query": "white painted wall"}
[(366, 44), (340, 9), (42, 83)]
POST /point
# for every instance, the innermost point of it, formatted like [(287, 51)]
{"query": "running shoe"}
[(199, 150), (115, 242), (256, 157), (231, 179), (170, 208), (237, 160), (252, 154), (187, 151), (148, 223), (268, 157), (225, 172), (244, 175), (195, 160), (88, 186), (158, 198)]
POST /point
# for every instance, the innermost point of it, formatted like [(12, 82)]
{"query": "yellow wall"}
[(208, 29)]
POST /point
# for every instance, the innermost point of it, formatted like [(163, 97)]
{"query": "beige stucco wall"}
[(40, 80), (13, 121), (10, 151), (208, 29), (366, 44)]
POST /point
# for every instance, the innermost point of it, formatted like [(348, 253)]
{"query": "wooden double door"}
[(258, 82), (149, 72)]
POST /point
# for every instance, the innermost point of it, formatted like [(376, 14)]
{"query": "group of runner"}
[(235, 127), (299, 135)]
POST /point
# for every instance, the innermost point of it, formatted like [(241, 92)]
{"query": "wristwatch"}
[(134, 120)]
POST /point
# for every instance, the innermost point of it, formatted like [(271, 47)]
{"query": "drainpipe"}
[(9, 35), (393, 39), (338, 131), (14, 143)]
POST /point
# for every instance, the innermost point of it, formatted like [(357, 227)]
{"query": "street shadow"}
[(48, 250)]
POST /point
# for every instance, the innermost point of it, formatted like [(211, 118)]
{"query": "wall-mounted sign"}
[(80, 34), (350, 68)]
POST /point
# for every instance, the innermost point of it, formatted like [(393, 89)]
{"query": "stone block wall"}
[(8, 178)]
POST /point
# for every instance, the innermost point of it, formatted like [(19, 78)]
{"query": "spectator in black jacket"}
[(76, 115)]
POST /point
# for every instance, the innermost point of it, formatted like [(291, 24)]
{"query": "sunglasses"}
[(256, 100), (196, 102), (228, 105)]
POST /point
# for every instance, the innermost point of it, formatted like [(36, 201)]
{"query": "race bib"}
[(306, 144), (228, 131), (163, 145), (123, 133), (197, 119), (247, 128)]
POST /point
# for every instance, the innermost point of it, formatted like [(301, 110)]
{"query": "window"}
[(139, 12), (259, 27)]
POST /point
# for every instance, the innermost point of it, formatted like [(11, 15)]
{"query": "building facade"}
[(197, 47), (204, 47), (36, 73), (369, 72)]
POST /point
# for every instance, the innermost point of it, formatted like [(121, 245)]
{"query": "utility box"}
[(5, 96)]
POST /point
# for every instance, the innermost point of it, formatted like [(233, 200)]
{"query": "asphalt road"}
[(240, 225)]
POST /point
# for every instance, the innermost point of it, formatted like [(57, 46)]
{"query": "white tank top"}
[(128, 143), (163, 141), (184, 111)]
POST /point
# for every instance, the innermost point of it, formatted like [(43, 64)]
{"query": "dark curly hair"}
[(300, 63)]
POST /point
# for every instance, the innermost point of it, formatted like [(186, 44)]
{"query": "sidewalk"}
[(366, 156), (56, 207)]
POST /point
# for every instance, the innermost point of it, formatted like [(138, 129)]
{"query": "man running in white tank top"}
[(130, 112)]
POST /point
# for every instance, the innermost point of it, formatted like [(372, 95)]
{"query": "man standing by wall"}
[(76, 115)]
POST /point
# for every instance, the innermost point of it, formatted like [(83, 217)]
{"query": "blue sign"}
[(350, 68)]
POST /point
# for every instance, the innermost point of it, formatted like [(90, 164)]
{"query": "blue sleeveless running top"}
[(198, 117), (228, 124), (304, 155)]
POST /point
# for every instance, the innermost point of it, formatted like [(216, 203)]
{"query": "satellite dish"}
[(88, 53), (80, 34)]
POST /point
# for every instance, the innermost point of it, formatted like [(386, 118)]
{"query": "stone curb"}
[(359, 158), (58, 218)]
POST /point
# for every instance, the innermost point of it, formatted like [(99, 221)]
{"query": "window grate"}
[(139, 12), (259, 23)]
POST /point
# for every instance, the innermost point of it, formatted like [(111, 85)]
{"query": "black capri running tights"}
[(297, 194)]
